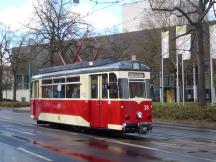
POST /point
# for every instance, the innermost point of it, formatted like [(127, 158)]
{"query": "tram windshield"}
[(133, 88), (137, 89)]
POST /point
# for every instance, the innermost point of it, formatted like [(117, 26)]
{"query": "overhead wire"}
[(91, 12)]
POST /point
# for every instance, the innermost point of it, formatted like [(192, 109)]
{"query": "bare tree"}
[(56, 23), (17, 58), (194, 13), (5, 41), (116, 45)]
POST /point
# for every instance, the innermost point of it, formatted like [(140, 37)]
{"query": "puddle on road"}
[(128, 151), (73, 154)]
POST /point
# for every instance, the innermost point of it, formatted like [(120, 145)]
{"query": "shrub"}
[(190, 111), (13, 104)]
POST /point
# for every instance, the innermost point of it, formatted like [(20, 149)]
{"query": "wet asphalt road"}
[(21, 140)]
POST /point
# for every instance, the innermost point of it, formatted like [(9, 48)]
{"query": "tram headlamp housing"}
[(139, 115)]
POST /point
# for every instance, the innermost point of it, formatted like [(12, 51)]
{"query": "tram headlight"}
[(139, 115)]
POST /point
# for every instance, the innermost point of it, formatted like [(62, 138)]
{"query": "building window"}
[(26, 82), (19, 82)]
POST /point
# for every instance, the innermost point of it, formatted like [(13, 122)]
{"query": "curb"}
[(184, 123)]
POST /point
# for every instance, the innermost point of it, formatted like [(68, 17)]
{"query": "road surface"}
[(21, 140)]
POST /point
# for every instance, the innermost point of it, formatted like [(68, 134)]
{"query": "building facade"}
[(139, 15)]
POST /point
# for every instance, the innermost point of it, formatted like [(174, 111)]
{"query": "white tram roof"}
[(100, 65)]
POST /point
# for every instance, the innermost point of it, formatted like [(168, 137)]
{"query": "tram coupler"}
[(143, 128)]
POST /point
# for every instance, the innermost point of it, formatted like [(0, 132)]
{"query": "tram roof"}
[(100, 65)]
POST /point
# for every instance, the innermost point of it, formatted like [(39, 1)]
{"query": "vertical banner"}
[(165, 54), (212, 30), (186, 55), (165, 44), (212, 33), (180, 30)]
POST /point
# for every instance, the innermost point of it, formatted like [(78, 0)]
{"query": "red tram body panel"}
[(107, 98)]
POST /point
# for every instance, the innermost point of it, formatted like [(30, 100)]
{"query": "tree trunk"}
[(1, 79), (14, 86), (201, 66)]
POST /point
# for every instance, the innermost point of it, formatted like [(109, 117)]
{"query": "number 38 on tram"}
[(105, 94)]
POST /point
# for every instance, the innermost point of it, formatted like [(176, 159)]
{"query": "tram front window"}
[(137, 89)]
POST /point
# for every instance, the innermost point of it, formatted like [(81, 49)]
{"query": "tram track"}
[(177, 144)]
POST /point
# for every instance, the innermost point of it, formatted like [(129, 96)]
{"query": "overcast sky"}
[(102, 16)]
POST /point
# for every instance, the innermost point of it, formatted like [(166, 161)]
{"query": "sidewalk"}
[(184, 123), (17, 109), (22, 109)]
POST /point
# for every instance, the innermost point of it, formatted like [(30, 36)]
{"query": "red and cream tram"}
[(107, 94)]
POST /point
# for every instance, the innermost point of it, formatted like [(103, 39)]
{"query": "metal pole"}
[(30, 76), (162, 84), (160, 87), (177, 80), (212, 81), (194, 84), (183, 85)]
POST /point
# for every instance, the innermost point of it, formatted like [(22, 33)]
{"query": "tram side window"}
[(113, 87), (73, 88), (47, 91), (73, 91), (104, 86), (148, 89), (123, 88), (47, 88), (94, 86), (58, 91)]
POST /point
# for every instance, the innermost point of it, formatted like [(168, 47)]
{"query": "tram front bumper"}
[(141, 128)]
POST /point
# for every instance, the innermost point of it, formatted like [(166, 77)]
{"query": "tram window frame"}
[(35, 89), (123, 85), (58, 92), (47, 81), (47, 91), (113, 87), (105, 82), (72, 79), (58, 80), (148, 89), (72, 88), (133, 88), (94, 90)]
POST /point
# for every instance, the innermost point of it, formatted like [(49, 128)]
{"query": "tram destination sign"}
[(136, 75)]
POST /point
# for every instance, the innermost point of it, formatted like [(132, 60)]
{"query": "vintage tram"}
[(108, 94)]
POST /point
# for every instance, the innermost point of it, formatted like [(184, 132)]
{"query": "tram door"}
[(37, 103), (98, 95)]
